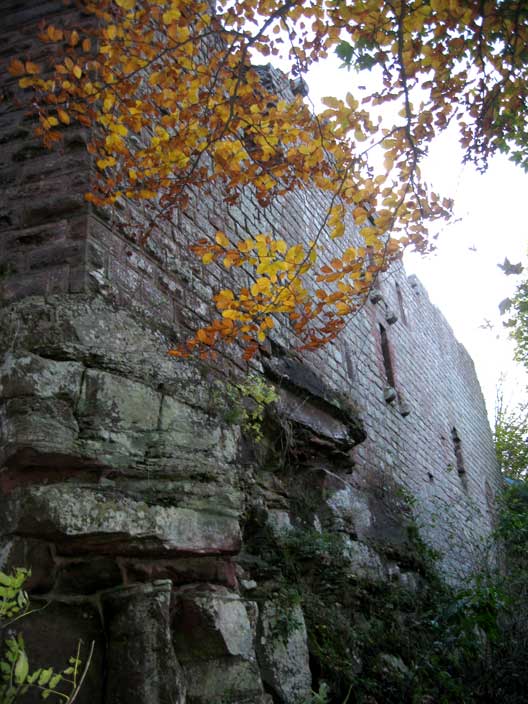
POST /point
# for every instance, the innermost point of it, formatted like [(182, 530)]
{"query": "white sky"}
[(462, 276)]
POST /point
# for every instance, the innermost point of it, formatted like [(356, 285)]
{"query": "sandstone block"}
[(142, 665), (283, 658), (87, 517)]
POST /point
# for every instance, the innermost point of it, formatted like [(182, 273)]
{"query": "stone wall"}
[(145, 513)]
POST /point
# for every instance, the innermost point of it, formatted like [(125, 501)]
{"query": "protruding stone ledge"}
[(86, 519), (309, 403)]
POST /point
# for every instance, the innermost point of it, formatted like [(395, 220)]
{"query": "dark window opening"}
[(400, 304), (387, 360), (457, 447)]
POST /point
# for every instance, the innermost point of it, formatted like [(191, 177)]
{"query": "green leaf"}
[(34, 675), (45, 676), (54, 681), (21, 668), (6, 580)]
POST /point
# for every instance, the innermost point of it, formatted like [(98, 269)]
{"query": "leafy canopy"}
[(511, 438), (175, 106)]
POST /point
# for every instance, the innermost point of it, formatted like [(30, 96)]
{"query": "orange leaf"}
[(63, 116), (16, 68)]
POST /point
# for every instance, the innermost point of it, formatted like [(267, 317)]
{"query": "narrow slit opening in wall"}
[(348, 361), (457, 447), (386, 353), (399, 295)]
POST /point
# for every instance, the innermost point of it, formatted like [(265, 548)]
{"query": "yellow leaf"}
[(54, 34), (208, 257), (342, 308), (224, 299), (77, 71), (118, 129), (108, 102), (331, 102), (221, 239), (126, 4), (171, 16), (338, 230), (280, 246), (63, 116), (232, 314)]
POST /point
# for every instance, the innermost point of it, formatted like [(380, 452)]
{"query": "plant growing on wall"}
[(245, 403), (174, 106)]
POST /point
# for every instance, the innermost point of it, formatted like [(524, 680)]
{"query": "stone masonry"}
[(126, 486)]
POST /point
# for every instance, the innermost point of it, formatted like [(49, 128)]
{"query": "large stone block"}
[(214, 638), (37, 432), (142, 665), (283, 657), (90, 517), (110, 402), (30, 375), (38, 398)]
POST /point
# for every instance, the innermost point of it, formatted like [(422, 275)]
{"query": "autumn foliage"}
[(174, 105)]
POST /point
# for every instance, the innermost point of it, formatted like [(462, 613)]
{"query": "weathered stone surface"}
[(212, 623), (350, 510), (194, 430), (364, 561), (185, 570), (142, 665), (315, 420), (115, 403), (225, 680), (311, 388), (214, 638), (283, 658), (391, 666), (31, 375), (37, 431), (89, 516)]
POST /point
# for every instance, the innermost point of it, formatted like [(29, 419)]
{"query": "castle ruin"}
[(148, 519)]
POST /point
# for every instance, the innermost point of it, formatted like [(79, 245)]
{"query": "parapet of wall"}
[(144, 511)]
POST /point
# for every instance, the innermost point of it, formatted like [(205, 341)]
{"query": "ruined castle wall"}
[(128, 488), (53, 242)]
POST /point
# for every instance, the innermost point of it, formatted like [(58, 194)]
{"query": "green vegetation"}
[(16, 678), (511, 438), (378, 642), (244, 403)]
